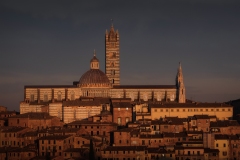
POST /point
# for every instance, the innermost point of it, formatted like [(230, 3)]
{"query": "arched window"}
[(112, 81), (45, 97), (59, 96), (72, 95)]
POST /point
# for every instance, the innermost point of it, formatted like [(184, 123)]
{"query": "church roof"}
[(188, 105), (145, 87), (94, 76), (49, 86)]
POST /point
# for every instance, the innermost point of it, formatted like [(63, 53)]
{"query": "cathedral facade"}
[(94, 89)]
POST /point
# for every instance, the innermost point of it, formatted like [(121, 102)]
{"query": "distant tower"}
[(112, 59), (180, 85)]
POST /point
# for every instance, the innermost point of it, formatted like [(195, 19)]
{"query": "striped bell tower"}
[(112, 56)]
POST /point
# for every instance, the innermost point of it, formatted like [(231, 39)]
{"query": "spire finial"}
[(112, 22), (180, 65), (94, 53)]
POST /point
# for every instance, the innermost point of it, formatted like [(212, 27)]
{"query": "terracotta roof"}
[(53, 130), (188, 105), (145, 136), (209, 150), (169, 134), (145, 120), (201, 116), (49, 86), (25, 149), (144, 86), (224, 123), (13, 129), (121, 99), (7, 112), (43, 158), (221, 137), (30, 134), (158, 150), (170, 121), (197, 142), (105, 113), (122, 105), (7, 149), (181, 147), (75, 150), (85, 122), (234, 137), (125, 130), (81, 103), (34, 115), (195, 132), (125, 148), (55, 137)]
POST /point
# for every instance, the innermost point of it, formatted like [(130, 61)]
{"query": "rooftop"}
[(34, 115)]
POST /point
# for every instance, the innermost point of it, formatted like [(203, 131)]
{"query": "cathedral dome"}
[(94, 77)]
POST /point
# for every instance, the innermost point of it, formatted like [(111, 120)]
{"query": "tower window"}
[(45, 97), (32, 97), (112, 64), (112, 72), (114, 54), (112, 81)]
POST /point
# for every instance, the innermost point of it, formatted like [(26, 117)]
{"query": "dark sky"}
[(52, 42)]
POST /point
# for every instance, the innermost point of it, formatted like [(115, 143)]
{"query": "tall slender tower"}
[(180, 85), (112, 57)]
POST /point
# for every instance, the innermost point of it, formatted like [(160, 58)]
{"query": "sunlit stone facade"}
[(64, 101)]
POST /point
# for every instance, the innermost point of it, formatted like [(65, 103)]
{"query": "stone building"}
[(12, 136), (34, 120), (64, 101), (182, 110), (54, 145)]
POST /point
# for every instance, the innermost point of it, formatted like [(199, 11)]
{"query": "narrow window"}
[(32, 98), (72, 96), (119, 121), (45, 97), (59, 96)]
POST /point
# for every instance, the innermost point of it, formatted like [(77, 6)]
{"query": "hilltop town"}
[(98, 118)]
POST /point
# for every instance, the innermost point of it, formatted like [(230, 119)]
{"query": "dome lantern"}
[(94, 63)]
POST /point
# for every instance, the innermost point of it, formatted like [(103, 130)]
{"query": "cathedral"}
[(96, 88)]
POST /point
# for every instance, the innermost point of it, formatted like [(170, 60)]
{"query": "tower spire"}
[(112, 22), (180, 85)]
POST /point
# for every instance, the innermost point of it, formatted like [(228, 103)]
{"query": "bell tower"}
[(112, 57), (180, 85)]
